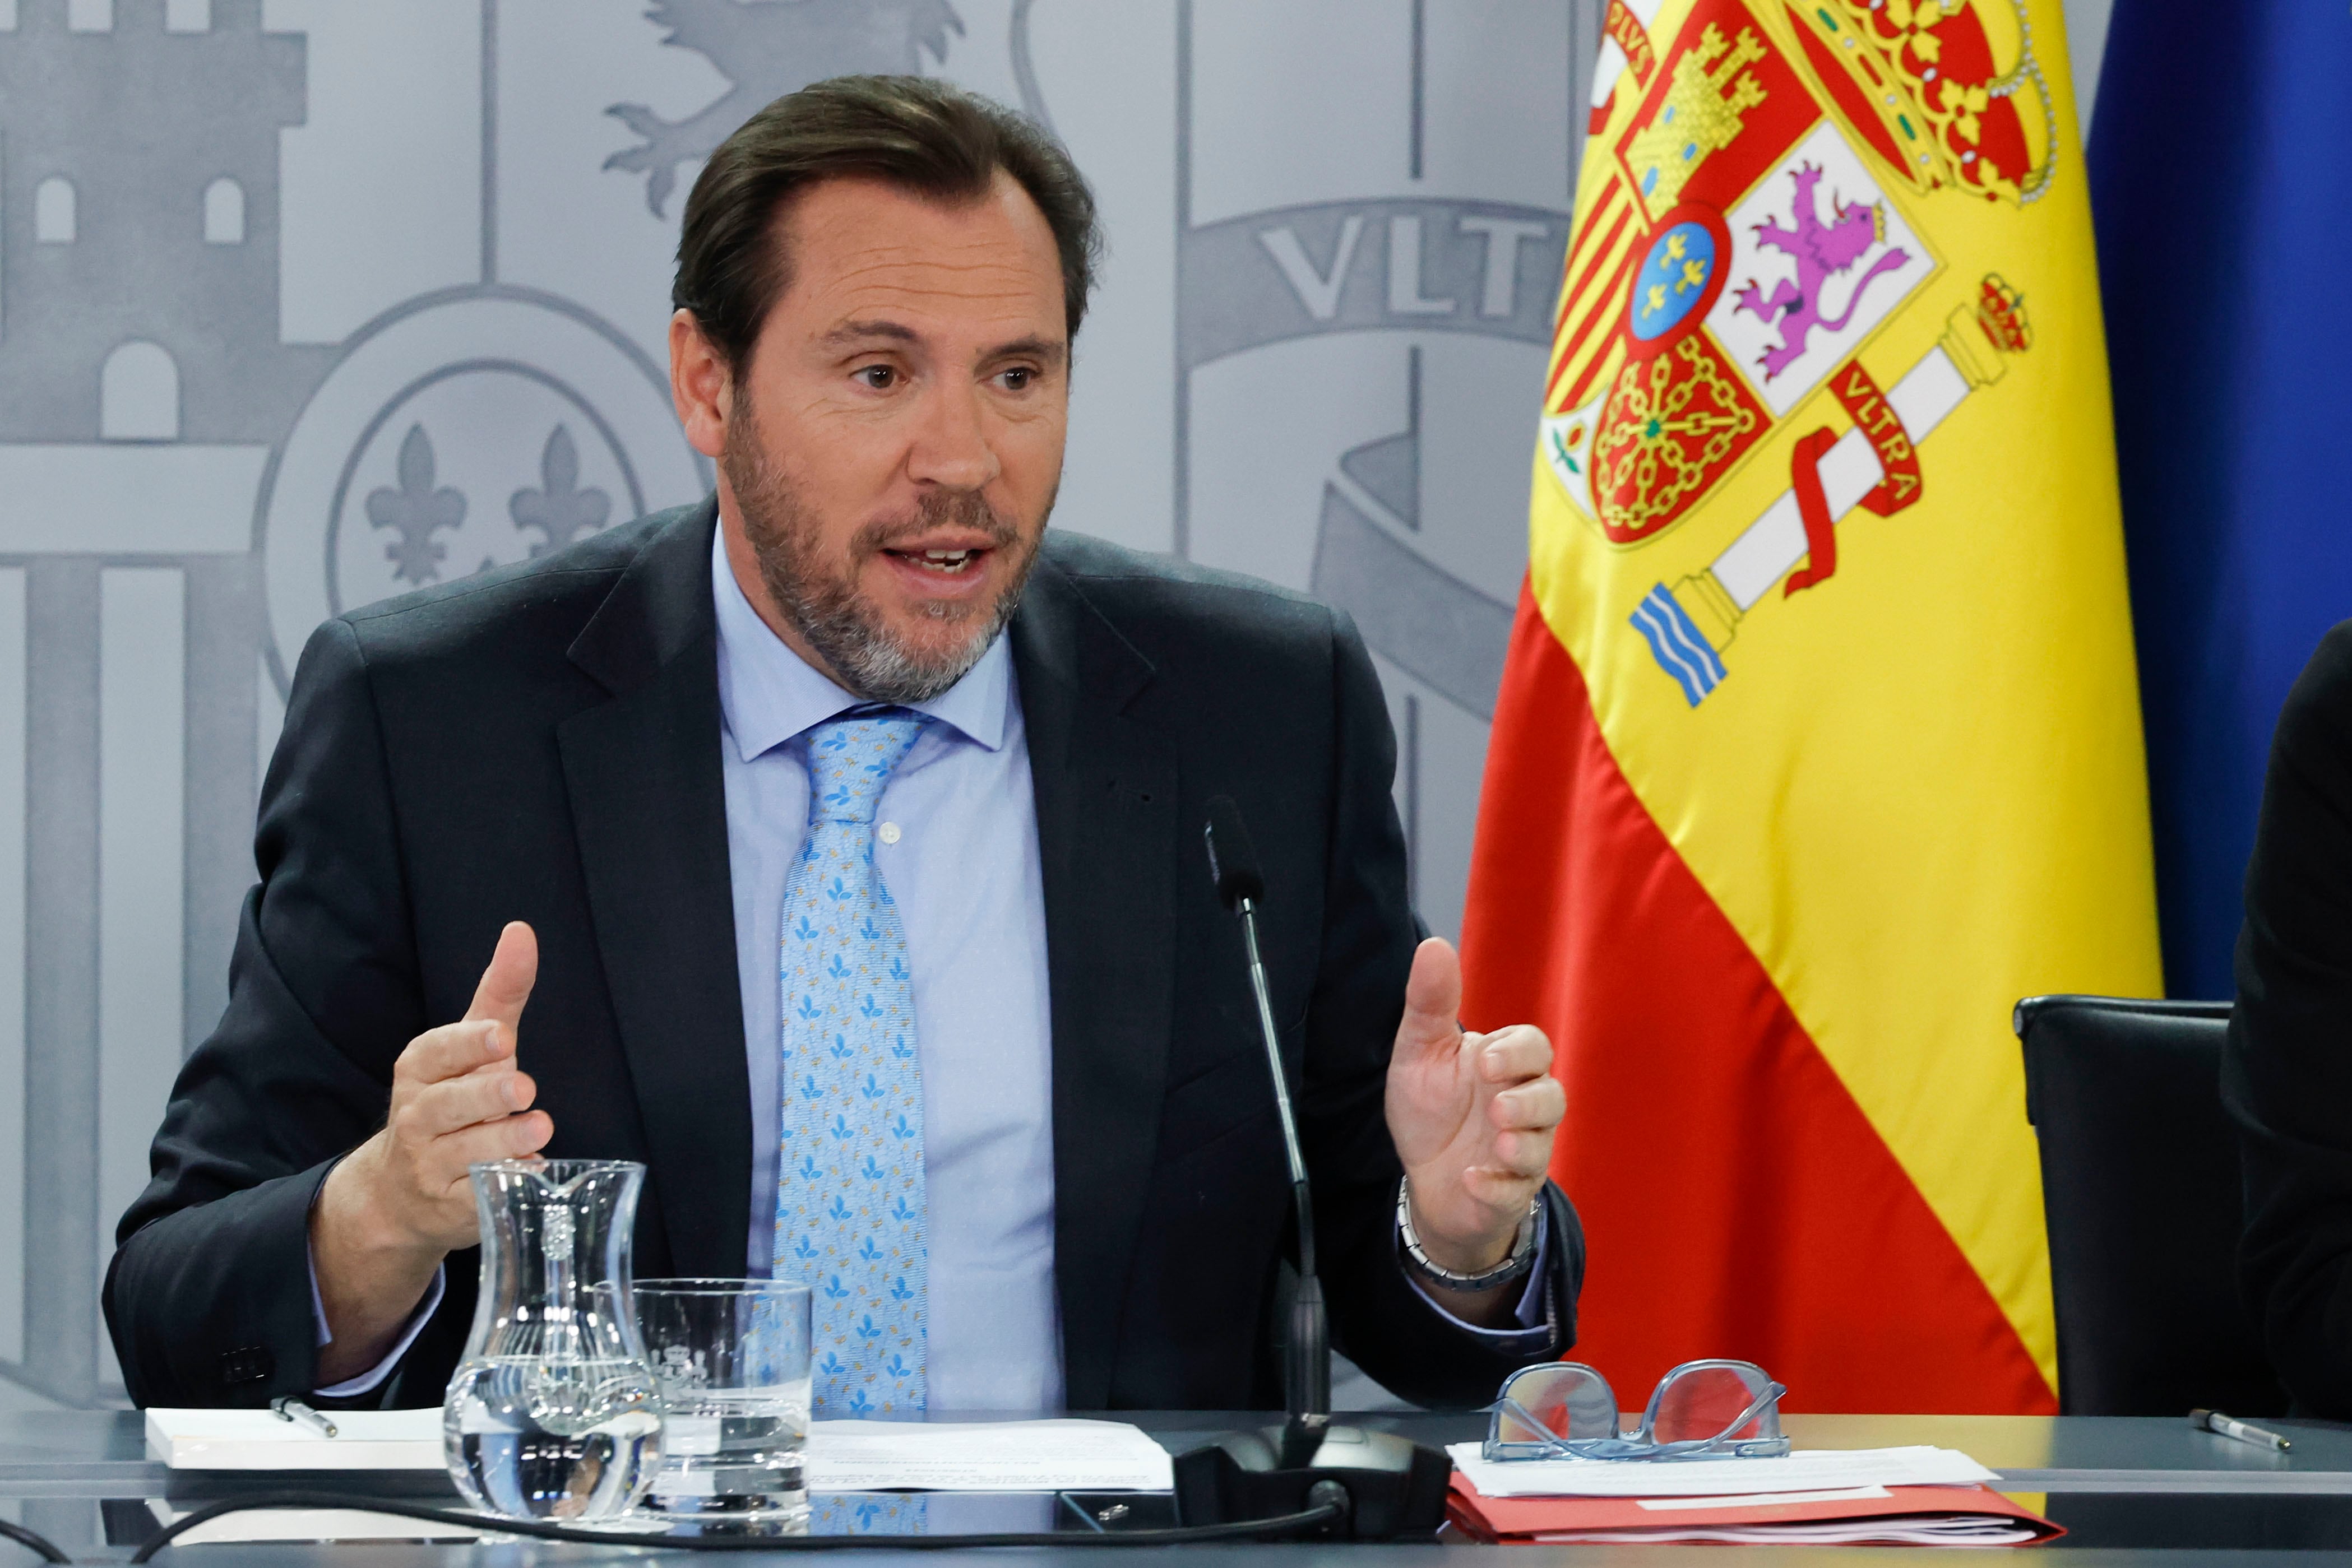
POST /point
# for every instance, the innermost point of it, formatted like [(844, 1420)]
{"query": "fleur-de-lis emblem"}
[(415, 511), (560, 510)]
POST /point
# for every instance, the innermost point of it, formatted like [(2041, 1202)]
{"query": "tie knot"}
[(850, 759)]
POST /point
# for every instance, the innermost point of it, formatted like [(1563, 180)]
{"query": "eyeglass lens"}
[(1570, 1401), (1699, 1404)]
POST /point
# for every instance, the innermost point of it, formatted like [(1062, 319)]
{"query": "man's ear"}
[(701, 385)]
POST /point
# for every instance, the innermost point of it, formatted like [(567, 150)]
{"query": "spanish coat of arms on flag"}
[(1819, 742)]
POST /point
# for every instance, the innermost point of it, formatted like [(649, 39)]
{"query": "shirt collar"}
[(768, 693)]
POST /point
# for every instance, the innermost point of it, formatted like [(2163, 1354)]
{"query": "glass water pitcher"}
[(554, 1413)]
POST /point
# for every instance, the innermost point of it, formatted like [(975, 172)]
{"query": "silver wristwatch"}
[(1521, 1260)]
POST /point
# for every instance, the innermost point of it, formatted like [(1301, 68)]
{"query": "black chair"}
[(2140, 1188)]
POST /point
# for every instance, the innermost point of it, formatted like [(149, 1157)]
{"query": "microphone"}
[(1306, 1360), (1384, 1484)]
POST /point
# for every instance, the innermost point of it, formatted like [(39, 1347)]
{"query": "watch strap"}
[(1518, 1265)]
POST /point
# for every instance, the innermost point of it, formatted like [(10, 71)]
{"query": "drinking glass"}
[(731, 1360)]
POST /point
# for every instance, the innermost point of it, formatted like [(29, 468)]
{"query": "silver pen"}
[(290, 1408), (2223, 1425)]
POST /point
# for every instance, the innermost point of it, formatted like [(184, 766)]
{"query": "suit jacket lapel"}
[(1106, 788), (649, 806)]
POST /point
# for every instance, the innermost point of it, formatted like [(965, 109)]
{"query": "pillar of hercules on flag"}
[(1818, 745)]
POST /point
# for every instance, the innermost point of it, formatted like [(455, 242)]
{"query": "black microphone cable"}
[(33, 1541), (1332, 1511)]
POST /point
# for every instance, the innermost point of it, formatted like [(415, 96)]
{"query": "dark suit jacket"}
[(542, 744), (2287, 1073)]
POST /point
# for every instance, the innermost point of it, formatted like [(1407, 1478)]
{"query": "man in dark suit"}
[(608, 770), (2287, 1075)]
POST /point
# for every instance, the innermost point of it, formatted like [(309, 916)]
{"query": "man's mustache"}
[(964, 511)]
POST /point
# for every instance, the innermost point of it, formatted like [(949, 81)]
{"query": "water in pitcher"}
[(554, 1413), (545, 1440)]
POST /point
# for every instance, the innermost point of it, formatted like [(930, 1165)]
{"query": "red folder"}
[(1958, 1516)]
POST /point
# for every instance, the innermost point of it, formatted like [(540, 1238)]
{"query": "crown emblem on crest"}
[(1699, 117), (2000, 311), (1922, 83)]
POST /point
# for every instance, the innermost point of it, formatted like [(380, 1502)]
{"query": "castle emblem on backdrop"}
[(766, 49), (1756, 227)]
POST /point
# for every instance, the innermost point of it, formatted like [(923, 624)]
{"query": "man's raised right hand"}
[(402, 1200)]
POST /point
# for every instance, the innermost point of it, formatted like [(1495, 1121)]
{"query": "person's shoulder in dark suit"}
[(2287, 1076)]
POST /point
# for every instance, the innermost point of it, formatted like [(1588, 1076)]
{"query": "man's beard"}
[(859, 646)]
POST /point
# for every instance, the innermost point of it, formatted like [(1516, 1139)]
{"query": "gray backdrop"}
[(306, 302)]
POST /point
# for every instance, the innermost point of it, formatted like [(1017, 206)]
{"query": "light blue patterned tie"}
[(850, 1209)]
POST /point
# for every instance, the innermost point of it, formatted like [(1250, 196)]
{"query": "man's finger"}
[(443, 1108), (1525, 1153), (506, 984), (1539, 1104), (453, 1051), (1432, 998), (1515, 1054), (511, 1139)]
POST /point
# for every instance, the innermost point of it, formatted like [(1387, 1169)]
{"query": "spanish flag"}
[(1819, 741)]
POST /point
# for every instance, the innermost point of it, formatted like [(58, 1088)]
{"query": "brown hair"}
[(924, 135)]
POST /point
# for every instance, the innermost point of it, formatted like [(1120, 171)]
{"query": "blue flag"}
[(2220, 164)]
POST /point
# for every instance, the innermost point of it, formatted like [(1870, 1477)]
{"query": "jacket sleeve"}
[(208, 1298), (2287, 1075), (1379, 1319)]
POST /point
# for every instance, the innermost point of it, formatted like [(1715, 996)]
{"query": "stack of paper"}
[(1900, 1516), (1814, 1469), (1914, 1496), (993, 1455), (264, 1440)]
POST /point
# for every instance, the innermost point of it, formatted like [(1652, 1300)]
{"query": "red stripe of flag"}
[(1736, 1200)]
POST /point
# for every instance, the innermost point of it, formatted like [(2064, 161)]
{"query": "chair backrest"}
[(2140, 1187)]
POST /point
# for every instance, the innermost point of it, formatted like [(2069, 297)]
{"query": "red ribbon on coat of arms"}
[(1897, 458)]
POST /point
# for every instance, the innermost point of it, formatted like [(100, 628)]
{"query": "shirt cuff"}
[(366, 1381), (1535, 1330)]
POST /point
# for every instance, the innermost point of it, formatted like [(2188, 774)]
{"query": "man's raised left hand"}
[(1472, 1117)]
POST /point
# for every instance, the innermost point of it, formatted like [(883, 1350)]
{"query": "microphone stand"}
[(1385, 1485)]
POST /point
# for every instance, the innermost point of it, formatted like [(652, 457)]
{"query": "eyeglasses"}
[(1702, 1410)]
